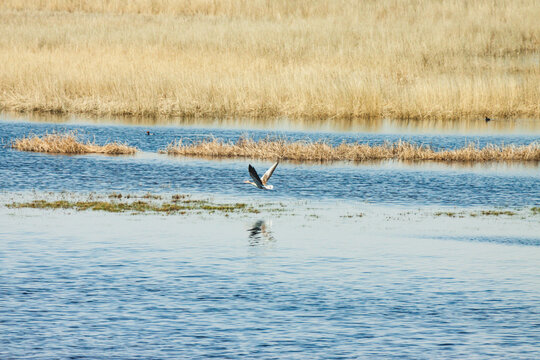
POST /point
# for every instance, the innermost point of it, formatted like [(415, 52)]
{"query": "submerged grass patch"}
[(446, 213), (498, 212), (321, 151), (180, 204), (69, 143), (462, 214), (351, 216), (133, 196), (185, 204)]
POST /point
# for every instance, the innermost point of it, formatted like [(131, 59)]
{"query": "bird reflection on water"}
[(260, 233)]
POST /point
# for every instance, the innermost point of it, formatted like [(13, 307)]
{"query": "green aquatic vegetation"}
[(493, 213), (535, 210), (275, 210), (445, 213), (151, 196), (350, 216), (178, 197), (133, 196), (498, 212), (138, 206), (475, 213)]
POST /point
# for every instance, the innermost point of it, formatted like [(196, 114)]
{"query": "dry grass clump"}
[(69, 143), (322, 59), (321, 151)]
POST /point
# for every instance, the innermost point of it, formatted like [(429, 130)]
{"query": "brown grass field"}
[(320, 151), (69, 143), (320, 59)]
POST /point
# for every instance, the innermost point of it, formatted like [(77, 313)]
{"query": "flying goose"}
[(261, 182)]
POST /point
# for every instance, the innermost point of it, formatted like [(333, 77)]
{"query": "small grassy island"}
[(321, 151), (69, 143)]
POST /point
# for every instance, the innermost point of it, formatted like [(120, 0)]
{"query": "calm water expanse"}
[(397, 282)]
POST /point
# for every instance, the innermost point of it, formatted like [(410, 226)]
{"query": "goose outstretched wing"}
[(269, 173)]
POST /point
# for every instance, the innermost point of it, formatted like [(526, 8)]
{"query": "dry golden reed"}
[(69, 143), (321, 151), (325, 59)]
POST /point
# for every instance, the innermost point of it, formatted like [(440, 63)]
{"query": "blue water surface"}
[(115, 286), (307, 285), (383, 182)]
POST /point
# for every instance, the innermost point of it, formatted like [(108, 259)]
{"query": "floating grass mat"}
[(321, 151), (69, 143)]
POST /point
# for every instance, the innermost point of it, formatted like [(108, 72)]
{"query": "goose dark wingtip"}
[(255, 176)]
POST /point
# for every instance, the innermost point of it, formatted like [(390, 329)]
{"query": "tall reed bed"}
[(68, 143), (321, 151), (326, 59)]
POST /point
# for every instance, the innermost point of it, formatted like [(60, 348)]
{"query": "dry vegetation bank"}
[(68, 143), (320, 151), (316, 59), (262, 58)]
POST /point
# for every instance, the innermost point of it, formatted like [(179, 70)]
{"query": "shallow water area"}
[(415, 260)]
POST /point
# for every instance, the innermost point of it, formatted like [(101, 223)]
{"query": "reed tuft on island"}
[(321, 151), (69, 143), (319, 59)]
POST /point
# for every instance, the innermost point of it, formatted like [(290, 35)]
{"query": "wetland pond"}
[(366, 260)]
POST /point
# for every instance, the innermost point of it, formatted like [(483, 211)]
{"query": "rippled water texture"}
[(391, 182), (138, 287), (359, 265)]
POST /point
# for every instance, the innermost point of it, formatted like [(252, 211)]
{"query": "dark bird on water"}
[(487, 119), (149, 133)]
